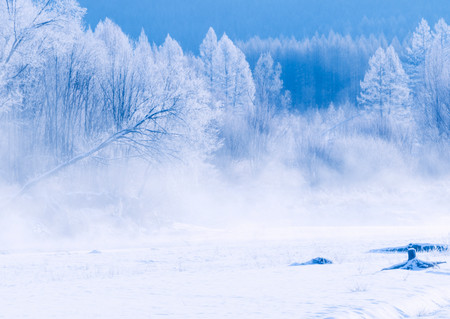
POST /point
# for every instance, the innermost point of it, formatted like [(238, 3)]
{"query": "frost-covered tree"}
[(441, 33), (62, 99), (230, 83), (208, 54), (437, 82), (29, 29), (269, 97), (31, 32), (270, 101), (374, 87), (178, 87), (268, 83), (398, 91), (9, 96), (237, 90), (416, 55), (119, 86), (428, 60), (385, 86), (427, 66)]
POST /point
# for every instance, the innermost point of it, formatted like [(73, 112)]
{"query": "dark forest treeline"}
[(322, 69)]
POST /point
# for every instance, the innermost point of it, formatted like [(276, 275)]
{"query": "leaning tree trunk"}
[(127, 133)]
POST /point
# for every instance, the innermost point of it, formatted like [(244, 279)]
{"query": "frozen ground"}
[(192, 272)]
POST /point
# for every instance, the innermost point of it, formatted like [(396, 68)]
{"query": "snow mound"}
[(314, 261), (415, 264)]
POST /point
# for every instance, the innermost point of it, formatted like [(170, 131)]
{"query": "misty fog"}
[(106, 136)]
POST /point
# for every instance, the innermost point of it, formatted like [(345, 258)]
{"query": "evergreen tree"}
[(230, 83), (436, 103), (416, 55), (208, 51), (441, 33), (385, 86), (374, 86), (237, 90), (269, 98), (398, 83)]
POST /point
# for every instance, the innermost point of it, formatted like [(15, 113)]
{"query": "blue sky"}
[(188, 20)]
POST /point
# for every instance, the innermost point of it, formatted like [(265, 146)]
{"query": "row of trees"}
[(428, 64), (417, 98), (321, 69), (248, 102), (67, 93)]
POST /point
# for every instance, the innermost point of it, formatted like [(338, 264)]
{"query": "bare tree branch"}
[(124, 134)]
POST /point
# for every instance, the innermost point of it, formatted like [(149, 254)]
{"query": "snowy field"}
[(190, 272)]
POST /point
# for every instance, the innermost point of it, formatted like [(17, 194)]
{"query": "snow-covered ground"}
[(192, 272)]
